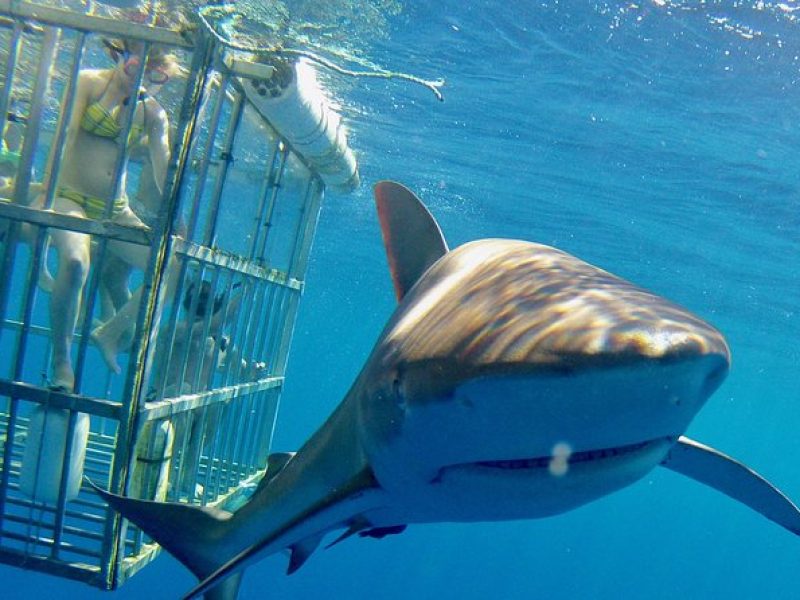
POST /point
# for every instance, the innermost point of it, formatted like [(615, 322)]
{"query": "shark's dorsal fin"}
[(411, 235), (729, 476)]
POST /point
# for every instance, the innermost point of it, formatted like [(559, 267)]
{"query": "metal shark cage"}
[(191, 416)]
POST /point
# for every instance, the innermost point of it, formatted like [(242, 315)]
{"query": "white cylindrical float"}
[(152, 458), (292, 101), (45, 454)]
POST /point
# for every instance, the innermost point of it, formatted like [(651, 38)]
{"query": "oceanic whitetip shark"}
[(514, 381)]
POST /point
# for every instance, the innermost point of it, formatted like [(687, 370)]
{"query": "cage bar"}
[(213, 312)]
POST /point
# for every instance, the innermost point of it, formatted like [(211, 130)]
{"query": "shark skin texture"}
[(513, 381)]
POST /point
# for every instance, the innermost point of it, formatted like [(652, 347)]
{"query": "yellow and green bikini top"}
[(102, 122)]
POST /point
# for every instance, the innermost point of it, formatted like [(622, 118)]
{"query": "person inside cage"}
[(114, 291), (86, 182), (184, 364)]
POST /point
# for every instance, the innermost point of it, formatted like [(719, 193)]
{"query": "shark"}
[(513, 381)]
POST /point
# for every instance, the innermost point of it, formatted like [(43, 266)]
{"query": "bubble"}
[(559, 463)]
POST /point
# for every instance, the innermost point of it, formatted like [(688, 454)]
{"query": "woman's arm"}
[(158, 142), (83, 93)]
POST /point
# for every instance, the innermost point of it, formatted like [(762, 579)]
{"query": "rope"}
[(204, 12)]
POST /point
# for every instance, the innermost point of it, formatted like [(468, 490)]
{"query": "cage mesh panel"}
[(245, 209)]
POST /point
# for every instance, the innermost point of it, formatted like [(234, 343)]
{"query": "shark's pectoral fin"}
[(411, 235), (721, 472)]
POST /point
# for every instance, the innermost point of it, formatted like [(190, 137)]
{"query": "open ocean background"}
[(658, 140)]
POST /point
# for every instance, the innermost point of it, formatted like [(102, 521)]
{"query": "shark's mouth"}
[(544, 462)]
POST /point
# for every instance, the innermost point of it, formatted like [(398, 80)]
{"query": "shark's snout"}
[(593, 429)]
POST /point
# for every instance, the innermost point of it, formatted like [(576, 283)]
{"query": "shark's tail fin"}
[(191, 534)]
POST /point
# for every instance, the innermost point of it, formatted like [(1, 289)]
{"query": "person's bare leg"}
[(114, 291), (110, 336), (65, 301)]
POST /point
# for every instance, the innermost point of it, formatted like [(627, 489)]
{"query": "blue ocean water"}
[(657, 140)]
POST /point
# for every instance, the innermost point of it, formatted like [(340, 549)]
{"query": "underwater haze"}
[(658, 140)]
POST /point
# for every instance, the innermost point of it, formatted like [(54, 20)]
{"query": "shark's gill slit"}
[(397, 390)]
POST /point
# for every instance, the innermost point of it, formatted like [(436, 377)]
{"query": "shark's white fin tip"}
[(727, 475)]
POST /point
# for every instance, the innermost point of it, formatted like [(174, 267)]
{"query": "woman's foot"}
[(63, 378), (109, 345)]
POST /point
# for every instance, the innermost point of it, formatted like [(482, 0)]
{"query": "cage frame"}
[(123, 554)]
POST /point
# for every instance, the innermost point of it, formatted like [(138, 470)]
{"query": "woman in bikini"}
[(86, 182)]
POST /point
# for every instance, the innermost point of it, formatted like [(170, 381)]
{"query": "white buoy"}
[(45, 451), (298, 109), (152, 458)]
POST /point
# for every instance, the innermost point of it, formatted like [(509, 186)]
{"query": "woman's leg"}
[(114, 291), (110, 336), (73, 266)]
